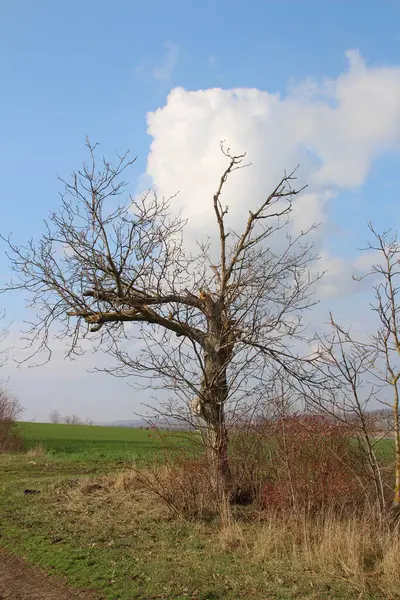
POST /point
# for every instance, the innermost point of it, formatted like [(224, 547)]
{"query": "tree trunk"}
[(217, 447), (218, 350), (214, 396), (396, 499)]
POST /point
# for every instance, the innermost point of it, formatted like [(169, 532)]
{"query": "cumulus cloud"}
[(333, 129)]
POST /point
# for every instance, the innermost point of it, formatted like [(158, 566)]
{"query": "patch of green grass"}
[(385, 448), (43, 432)]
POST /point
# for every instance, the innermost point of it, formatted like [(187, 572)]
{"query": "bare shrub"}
[(350, 366), (312, 465), (184, 486), (10, 409), (179, 477), (367, 371), (300, 462)]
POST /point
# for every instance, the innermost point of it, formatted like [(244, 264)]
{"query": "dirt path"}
[(20, 581)]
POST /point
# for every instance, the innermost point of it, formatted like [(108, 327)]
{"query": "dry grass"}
[(88, 497), (36, 451), (360, 551)]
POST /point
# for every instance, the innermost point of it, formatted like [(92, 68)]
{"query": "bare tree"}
[(364, 371), (350, 399), (72, 420), (386, 340), (55, 416), (213, 325)]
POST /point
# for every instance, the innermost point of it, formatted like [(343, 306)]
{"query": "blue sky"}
[(71, 69)]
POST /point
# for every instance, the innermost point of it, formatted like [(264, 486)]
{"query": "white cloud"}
[(347, 277), (333, 129), (366, 259), (163, 73), (338, 279)]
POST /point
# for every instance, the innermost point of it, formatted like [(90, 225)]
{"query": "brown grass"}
[(359, 550)]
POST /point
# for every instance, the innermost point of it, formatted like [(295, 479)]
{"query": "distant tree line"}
[(73, 419)]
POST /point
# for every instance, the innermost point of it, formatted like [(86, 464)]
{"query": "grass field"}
[(90, 442), (94, 526)]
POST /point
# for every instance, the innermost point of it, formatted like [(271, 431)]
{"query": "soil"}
[(20, 581)]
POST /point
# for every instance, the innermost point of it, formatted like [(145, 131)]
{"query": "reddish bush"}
[(312, 464)]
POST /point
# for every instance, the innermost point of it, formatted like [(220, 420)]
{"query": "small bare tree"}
[(212, 325), (364, 371), (347, 363), (55, 417), (386, 340)]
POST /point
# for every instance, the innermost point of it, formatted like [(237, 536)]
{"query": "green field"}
[(88, 526), (90, 442)]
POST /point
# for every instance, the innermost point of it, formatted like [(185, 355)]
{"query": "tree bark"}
[(217, 447), (213, 400), (396, 499)]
